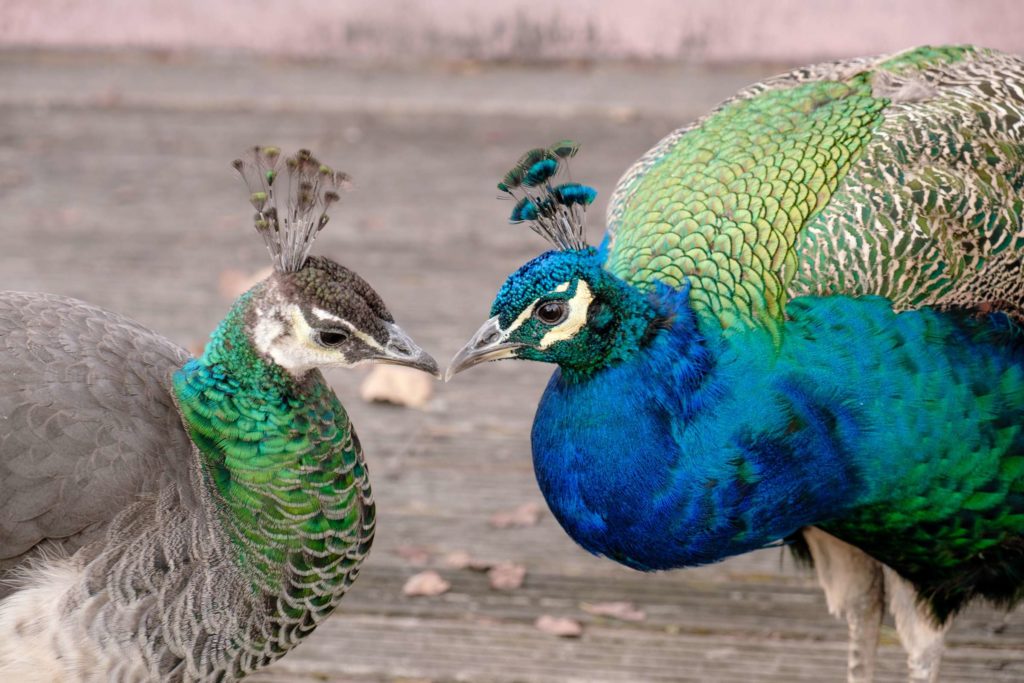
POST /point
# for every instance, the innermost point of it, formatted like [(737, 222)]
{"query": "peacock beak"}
[(402, 350), (489, 343)]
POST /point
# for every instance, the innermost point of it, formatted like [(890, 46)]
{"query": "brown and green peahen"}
[(167, 518), (804, 325)]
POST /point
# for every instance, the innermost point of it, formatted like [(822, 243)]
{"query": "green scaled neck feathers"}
[(282, 457), (279, 459)]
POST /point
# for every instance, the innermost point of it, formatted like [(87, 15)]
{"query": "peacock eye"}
[(551, 312), (331, 338)]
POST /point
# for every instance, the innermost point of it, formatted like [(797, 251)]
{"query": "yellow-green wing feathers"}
[(899, 176)]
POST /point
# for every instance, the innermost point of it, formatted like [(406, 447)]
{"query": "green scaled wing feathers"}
[(899, 176), (724, 207)]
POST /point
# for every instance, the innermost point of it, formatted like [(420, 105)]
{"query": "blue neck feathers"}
[(691, 450)]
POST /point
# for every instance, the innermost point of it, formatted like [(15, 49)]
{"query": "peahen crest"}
[(309, 190), (556, 212)]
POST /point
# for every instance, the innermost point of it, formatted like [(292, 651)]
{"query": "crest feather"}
[(555, 212), (308, 191)]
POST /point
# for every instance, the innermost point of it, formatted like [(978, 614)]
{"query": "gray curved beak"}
[(402, 350), (489, 343)]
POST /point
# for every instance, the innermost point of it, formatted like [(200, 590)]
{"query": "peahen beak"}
[(489, 343), (402, 350)]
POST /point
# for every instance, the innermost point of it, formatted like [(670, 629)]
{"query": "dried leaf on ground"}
[(506, 576), (562, 627), (626, 611), (527, 514), (460, 559), (397, 385), (425, 583), (413, 554)]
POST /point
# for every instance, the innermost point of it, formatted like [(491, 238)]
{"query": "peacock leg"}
[(921, 638), (854, 589)]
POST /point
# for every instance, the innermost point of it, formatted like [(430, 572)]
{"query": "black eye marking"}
[(331, 338), (551, 312)]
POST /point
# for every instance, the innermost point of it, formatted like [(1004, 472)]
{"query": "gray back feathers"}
[(87, 422)]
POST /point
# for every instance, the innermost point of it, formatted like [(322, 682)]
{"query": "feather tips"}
[(556, 213), (311, 188)]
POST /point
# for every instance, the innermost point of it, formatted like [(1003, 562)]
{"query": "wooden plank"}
[(134, 207)]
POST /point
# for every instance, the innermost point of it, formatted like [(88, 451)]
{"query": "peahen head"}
[(325, 315), (562, 307), (311, 312)]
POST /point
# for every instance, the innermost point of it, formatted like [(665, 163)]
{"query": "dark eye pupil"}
[(332, 338), (551, 312)]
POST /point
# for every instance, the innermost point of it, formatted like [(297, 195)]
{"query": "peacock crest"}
[(310, 189), (556, 212)]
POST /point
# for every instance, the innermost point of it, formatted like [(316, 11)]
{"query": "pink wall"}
[(697, 30)]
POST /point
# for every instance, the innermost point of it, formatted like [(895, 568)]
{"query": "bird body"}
[(920, 462), (803, 325), (186, 519)]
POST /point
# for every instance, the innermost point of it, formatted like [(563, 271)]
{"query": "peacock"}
[(803, 327), (167, 518)]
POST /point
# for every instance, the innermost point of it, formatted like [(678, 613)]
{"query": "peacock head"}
[(312, 312), (562, 307)]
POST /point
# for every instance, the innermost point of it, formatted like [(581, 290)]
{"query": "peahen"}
[(166, 518), (803, 326)]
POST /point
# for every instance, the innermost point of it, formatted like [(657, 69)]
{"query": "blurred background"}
[(118, 122)]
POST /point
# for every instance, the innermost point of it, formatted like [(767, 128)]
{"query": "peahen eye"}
[(331, 338), (551, 312)]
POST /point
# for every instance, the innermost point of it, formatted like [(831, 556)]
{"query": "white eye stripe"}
[(523, 317), (528, 311), (359, 334), (365, 338), (579, 304), (327, 315)]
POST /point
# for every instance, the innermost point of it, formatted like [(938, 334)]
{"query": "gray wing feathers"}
[(87, 421)]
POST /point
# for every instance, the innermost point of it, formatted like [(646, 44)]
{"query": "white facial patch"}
[(528, 311), (579, 304), (291, 345), (292, 349), (266, 332)]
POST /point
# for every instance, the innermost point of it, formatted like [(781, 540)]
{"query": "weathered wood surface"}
[(116, 188)]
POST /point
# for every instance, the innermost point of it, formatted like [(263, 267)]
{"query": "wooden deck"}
[(116, 188)]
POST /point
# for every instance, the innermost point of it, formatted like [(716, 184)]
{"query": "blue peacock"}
[(166, 518), (803, 326)]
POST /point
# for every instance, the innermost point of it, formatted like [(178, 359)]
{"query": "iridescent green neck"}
[(281, 462), (231, 350)]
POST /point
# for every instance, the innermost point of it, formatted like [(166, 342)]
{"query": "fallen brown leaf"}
[(563, 627), (527, 514), (425, 583), (413, 554), (506, 576), (626, 611), (460, 559), (397, 385)]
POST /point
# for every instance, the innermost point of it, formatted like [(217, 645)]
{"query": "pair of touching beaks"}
[(488, 343)]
